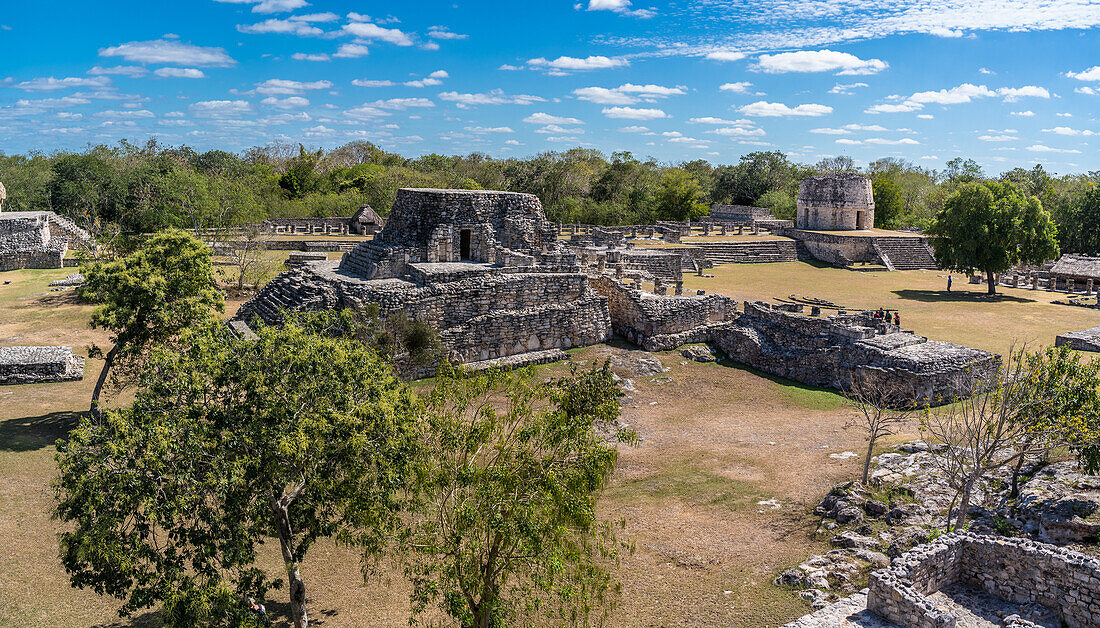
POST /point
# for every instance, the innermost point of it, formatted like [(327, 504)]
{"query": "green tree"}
[(513, 468), (299, 434), (679, 196), (301, 177), (780, 202), (990, 226), (148, 297), (888, 202), (1080, 231), (959, 171)]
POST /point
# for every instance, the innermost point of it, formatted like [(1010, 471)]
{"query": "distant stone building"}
[(1080, 269), (364, 221), (739, 214), (835, 202)]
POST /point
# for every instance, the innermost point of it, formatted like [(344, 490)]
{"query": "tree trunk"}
[(1016, 478), (867, 460), (991, 281), (964, 506), (108, 362), (294, 576)]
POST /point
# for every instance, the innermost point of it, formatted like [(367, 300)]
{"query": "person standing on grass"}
[(949, 283), (897, 319)]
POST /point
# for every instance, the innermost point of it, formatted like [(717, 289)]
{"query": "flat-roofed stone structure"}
[(1085, 340), (738, 214), (36, 365), (36, 239), (842, 201), (483, 268), (832, 351)]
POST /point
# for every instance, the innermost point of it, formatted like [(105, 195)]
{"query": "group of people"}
[(884, 315)]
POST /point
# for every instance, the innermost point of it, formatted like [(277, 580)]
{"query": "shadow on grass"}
[(808, 395), (65, 297), (150, 619), (960, 296), (31, 433)]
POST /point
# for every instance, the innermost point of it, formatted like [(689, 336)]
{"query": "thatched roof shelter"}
[(1077, 267)]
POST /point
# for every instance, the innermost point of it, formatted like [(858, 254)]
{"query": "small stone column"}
[(637, 282), (1088, 287), (679, 286), (601, 264), (619, 271), (1069, 286), (815, 311), (740, 229), (1035, 282), (659, 287), (722, 229), (706, 228), (1015, 280), (755, 228), (634, 232), (1053, 285)]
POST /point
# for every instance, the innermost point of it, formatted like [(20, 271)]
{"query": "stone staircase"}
[(69, 226), (750, 252), (905, 253)]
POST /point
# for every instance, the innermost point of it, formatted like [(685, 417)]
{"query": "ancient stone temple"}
[(485, 269), (835, 202), (37, 239)]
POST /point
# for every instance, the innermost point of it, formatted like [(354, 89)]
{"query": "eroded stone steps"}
[(905, 253), (750, 252)]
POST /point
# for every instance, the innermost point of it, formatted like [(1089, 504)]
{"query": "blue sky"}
[(1009, 83)]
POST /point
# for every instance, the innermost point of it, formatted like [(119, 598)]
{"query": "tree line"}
[(149, 187)]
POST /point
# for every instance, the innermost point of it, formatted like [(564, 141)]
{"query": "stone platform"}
[(36, 365), (896, 250), (850, 612), (1087, 340)]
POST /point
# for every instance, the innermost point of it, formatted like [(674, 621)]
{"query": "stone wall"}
[(339, 225), (832, 351), (738, 213), (26, 242), (660, 323), (1085, 340), (840, 250), (835, 202), (1012, 569), (35, 365)]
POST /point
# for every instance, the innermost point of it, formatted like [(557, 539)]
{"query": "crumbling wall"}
[(1013, 569), (36, 365), (26, 242)]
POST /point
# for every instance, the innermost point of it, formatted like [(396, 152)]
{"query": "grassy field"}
[(716, 440)]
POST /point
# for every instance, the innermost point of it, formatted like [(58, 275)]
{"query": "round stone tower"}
[(3, 196), (835, 202)]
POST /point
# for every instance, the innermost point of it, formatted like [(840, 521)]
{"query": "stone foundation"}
[(1087, 340), (36, 365)]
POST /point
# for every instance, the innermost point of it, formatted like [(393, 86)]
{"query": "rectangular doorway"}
[(861, 220), (464, 245)]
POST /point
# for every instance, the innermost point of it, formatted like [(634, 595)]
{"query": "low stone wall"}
[(1013, 569), (840, 250), (660, 323), (26, 242), (35, 365), (1086, 340), (329, 225)]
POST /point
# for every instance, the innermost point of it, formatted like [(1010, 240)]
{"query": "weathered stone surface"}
[(1060, 504), (835, 202), (72, 279), (1086, 340), (831, 352), (36, 239), (35, 365)]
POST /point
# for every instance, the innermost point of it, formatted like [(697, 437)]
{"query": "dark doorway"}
[(464, 245)]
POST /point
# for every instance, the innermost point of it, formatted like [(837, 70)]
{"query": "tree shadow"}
[(63, 297), (31, 433), (150, 619), (958, 296)]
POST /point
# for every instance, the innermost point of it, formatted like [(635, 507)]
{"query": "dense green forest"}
[(144, 188)]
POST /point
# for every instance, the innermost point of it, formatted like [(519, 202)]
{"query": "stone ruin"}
[(36, 365), (833, 351), (37, 239), (1085, 340), (966, 579), (484, 269), (364, 221), (842, 201), (3, 196)]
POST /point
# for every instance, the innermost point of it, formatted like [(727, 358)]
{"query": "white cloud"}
[(1065, 130), (125, 115), (1064, 114), (372, 83), (442, 32), (281, 27), (891, 108), (132, 71), (563, 65), (220, 108), (270, 6), (327, 16), (738, 131), (302, 56), (828, 131), (998, 138), (1024, 114), (985, 71), (818, 61), (351, 51), (366, 30), (545, 118), (1091, 74), (846, 88), (964, 93), (1086, 90), (402, 103), (492, 129), (725, 55), (632, 113), (284, 86), (775, 109), (741, 87), (169, 51), (551, 129), (1039, 148), (634, 129), (49, 84), (626, 94), (494, 97), (290, 102), (439, 74), (365, 112), (191, 73), (424, 82), (925, 116), (621, 7), (1012, 94), (960, 94), (723, 121)]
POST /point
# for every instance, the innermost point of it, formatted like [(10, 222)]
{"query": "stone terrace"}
[(35, 365)]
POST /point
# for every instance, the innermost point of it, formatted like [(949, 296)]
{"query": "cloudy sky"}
[(1007, 82)]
